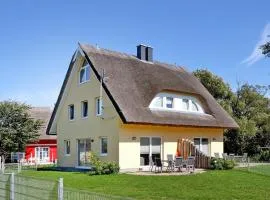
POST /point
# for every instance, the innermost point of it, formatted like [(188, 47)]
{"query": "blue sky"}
[(38, 39)]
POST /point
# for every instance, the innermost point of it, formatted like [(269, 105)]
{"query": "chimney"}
[(145, 52)]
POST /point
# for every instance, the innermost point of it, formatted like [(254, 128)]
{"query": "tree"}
[(17, 128), (248, 106)]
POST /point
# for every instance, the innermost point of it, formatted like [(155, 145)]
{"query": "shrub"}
[(101, 167), (220, 164)]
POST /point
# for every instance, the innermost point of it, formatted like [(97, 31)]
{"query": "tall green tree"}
[(17, 128), (248, 106)]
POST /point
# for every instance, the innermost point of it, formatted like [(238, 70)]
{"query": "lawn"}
[(231, 184)]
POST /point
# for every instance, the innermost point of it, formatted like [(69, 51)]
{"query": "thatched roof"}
[(44, 114), (132, 83)]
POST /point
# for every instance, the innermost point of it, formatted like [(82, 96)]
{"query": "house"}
[(44, 150), (127, 108)]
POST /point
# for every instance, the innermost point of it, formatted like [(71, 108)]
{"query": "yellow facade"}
[(123, 139), (92, 127), (129, 141)]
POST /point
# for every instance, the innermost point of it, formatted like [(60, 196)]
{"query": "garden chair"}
[(179, 164), (191, 164), (216, 155), (170, 166), (225, 156), (158, 166)]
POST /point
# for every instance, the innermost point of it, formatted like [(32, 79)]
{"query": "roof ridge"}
[(115, 53)]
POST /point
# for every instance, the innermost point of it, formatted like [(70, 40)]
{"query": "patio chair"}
[(158, 166), (191, 164), (216, 155), (170, 166), (179, 164), (225, 156)]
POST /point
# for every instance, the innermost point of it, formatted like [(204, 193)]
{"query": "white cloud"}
[(256, 54)]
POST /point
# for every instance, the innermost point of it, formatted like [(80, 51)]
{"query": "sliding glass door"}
[(149, 147), (84, 151), (202, 145)]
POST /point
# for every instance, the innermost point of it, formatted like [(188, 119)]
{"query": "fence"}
[(254, 166), (16, 187), (187, 148)]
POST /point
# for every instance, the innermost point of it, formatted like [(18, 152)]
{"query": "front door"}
[(84, 152), (42, 154), (150, 147)]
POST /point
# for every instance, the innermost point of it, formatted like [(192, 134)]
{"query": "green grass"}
[(231, 184)]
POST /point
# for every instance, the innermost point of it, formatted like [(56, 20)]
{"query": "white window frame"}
[(82, 109), (103, 154), (84, 68), (99, 107), (150, 145), (200, 148), (69, 112), (41, 149), (65, 147), (177, 103)]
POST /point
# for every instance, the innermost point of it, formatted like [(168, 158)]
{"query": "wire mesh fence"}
[(254, 166), (16, 187), (24, 188), (71, 194)]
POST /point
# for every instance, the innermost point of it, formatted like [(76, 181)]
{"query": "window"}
[(103, 146), (71, 112), (42, 154), (84, 152), (84, 109), (150, 148), (202, 145), (98, 106), (169, 102), (176, 102), (185, 104), (67, 147), (85, 72)]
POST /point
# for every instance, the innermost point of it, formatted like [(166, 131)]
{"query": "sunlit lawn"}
[(231, 184)]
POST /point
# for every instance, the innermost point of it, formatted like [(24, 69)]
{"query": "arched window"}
[(176, 102)]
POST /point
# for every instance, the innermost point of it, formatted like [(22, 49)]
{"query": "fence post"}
[(60, 189), (3, 165), (12, 187), (19, 167)]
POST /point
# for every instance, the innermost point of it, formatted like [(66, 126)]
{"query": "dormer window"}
[(176, 102), (85, 72)]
